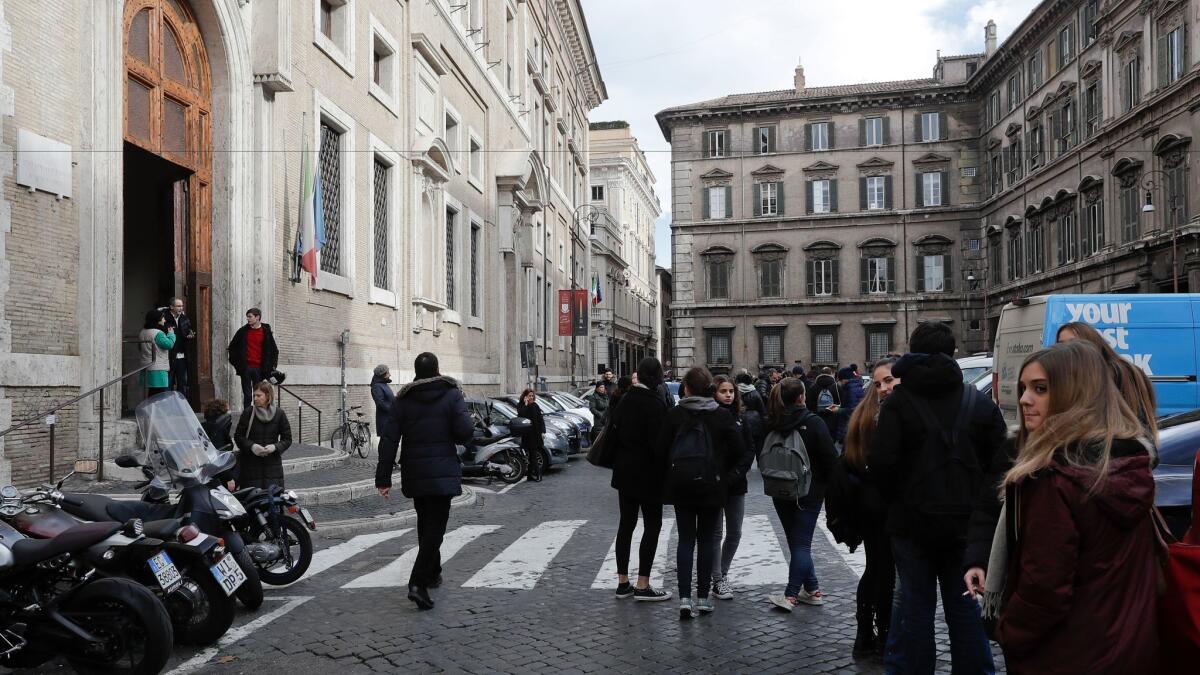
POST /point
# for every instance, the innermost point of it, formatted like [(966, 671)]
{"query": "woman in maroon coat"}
[(1080, 592)]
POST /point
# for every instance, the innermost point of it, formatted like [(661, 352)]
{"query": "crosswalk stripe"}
[(759, 560), (522, 564), (328, 557), (396, 573), (607, 577)]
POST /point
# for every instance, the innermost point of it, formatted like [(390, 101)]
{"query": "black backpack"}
[(693, 469), (945, 477)]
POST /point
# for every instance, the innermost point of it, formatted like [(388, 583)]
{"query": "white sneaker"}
[(704, 605), (814, 598), (782, 601), (722, 590), (686, 611)]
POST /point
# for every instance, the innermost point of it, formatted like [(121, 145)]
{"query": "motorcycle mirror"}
[(127, 462)]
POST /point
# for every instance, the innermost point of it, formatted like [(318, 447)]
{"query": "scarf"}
[(266, 414), (997, 573), (698, 403)]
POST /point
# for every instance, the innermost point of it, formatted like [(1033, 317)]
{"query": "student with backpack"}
[(734, 510), (929, 455), (796, 463), (700, 445)]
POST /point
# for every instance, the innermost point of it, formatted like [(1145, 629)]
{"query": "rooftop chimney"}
[(989, 39), (799, 80)]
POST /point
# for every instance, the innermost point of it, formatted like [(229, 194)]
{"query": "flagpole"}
[(300, 202)]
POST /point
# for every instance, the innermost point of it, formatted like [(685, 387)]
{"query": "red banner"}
[(566, 314), (573, 313)]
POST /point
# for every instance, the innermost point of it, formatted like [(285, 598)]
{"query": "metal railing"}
[(300, 413), (51, 419)]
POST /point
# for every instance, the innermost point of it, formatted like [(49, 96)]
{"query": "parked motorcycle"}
[(182, 566), (52, 603), (492, 455), (277, 542), (178, 453)]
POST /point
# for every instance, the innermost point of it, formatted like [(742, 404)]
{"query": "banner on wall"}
[(573, 313)]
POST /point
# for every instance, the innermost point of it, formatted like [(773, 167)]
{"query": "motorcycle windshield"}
[(174, 442)]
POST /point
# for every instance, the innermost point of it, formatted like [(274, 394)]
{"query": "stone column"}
[(6, 113)]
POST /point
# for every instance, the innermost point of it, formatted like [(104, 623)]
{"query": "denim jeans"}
[(910, 645), (723, 552), (799, 523), (250, 379), (697, 529)]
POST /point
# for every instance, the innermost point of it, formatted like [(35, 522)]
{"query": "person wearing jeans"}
[(729, 397), (697, 527), (799, 523), (253, 353)]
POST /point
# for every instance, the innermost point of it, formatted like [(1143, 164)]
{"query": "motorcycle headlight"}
[(227, 503)]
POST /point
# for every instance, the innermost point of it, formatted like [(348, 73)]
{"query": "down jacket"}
[(429, 419), (255, 471)]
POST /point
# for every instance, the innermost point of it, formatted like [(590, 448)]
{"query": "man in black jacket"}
[(253, 353), (931, 486), (430, 416), (184, 334)]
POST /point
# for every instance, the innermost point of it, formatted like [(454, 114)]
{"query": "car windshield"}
[(549, 400), (504, 408)]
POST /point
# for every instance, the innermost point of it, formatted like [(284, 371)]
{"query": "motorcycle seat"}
[(92, 507), (246, 493), (122, 510), (32, 551), (162, 529)]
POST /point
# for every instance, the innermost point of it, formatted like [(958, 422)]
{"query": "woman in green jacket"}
[(154, 346), (598, 403)]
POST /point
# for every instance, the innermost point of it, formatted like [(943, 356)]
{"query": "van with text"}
[(1156, 332)]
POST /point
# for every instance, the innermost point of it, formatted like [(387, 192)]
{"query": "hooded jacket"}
[(1081, 590), (819, 445), (727, 448), (738, 484), (430, 420), (637, 471), (381, 393)]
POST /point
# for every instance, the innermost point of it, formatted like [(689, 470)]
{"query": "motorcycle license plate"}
[(165, 572), (228, 574), (308, 519)]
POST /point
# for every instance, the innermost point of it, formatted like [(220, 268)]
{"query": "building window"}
[(1035, 70), (823, 273), (770, 347), (451, 226), (1092, 108), (879, 342), (720, 347), (1014, 91), (1093, 224), (385, 69), (824, 346), (1091, 10), (1037, 140), (993, 109), (597, 193), (1035, 261), (878, 268), (876, 197), (818, 136), (971, 68), (510, 51), (770, 260), (718, 272), (1016, 161), (931, 127), (1063, 123), (768, 199), (995, 173), (822, 196), (933, 188), (331, 198), (1176, 167), (1172, 59), (717, 202), (1066, 45), (716, 143), (335, 32), (452, 135), (996, 254), (476, 261), (764, 140), (1068, 236), (1014, 253), (933, 273), (476, 159), (1130, 206), (326, 18), (382, 276), (873, 131), (1131, 84)]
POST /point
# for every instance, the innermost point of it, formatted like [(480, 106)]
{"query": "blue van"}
[(1156, 332)]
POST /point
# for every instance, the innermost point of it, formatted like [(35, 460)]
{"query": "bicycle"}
[(353, 435)]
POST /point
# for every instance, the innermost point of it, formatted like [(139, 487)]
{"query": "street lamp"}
[(975, 283), (1150, 184)]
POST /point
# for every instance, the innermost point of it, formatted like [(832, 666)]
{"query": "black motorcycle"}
[(52, 604), (276, 541)]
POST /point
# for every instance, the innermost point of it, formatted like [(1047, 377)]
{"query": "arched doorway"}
[(168, 176)]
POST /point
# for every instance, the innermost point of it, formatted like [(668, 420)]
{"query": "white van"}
[(1155, 332)]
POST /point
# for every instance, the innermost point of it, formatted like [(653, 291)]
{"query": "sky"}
[(654, 54)]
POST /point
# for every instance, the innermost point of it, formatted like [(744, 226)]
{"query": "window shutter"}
[(754, 136), (1163, 61), (920, 273), (808, 133), (833, 202), (862, 193), (758, 199), (887, 130), (891, 280), (947, 276), (887, 192), (779, 198), (945, 175), (705, 206), (920, 183), (943, 126), (771, 139), (808, 196), (836, 272), (830, 134), (1183, 46), (918, 134), (704, 143), (812, 277), (862, 132), (864, 273), (728, 201)]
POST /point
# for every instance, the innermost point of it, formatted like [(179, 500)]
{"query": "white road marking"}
[(759, 560), (396, 573), (328, 557), (235, 634), (607, 577), (857, 561), (522, 564)]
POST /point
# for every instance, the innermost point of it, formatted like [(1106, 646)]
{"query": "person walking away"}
[(430, 417), (823, 398), (793, 428), (532, 441), (868, 515), (851, 393), (598, 402), (384, 397), (1077, 546), (154, 347), (183, 339), (638, 475), (614, 397), (218, 424), (929, 454), (262, 435), (701, 447), (729, 398), (253, 352)]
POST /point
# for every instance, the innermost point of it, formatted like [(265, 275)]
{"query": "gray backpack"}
[(785, 467)]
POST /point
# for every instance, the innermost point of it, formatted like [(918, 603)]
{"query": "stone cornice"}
[(579, 41)]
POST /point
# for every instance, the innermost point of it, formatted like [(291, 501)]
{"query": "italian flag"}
[(312, 219), (597, 297)]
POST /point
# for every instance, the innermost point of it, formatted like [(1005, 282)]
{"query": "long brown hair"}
[(1086, 413), (862, 422), (698, 382), (783, 396), (1131, 381), (739, 406)]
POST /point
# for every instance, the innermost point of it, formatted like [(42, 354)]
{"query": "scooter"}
[(489, 455)]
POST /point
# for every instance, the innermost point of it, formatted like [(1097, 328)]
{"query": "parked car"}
[(1178, 442), (497, 414), (974, 366), (566, 405), (571, 426)]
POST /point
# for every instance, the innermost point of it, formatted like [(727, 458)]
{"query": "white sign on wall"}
[(43, 164)]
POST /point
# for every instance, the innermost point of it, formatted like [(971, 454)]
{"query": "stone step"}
[(297, 460)]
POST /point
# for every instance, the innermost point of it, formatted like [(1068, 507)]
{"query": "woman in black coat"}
[(532, 441), (262, 435), (638, 477), (698, 502)]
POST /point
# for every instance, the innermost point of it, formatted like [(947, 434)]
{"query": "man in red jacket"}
[(253, 353)]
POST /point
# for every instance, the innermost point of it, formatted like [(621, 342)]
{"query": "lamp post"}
[(1154, 179), (591, 214), (975, 283)]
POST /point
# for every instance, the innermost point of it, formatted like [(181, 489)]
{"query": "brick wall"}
[(29, 449)]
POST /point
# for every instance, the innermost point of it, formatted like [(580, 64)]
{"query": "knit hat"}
[(381, 370)]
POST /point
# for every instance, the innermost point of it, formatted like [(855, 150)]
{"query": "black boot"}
[(420, 596), (864, 640), (882, 626)]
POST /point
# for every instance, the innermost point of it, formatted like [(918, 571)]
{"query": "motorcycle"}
[(490, 455), (52, 603), (180, 565), (277, 542), (178, 453)]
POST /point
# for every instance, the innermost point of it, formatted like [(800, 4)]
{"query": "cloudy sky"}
[(654, 54)]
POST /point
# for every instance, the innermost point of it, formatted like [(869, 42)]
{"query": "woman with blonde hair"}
[(262, 435), (1073, 567), (1132, 383)]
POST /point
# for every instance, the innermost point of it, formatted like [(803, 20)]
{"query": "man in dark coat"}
[(430, 416), (253, 353), (184, 334), (381, 393), (823, 397), (927, 538)]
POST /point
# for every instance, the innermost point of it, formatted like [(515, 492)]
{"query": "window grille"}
[(475, 270), (382, 278), (331, 199), (451, 217)]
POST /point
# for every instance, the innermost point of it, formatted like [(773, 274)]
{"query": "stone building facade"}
[(621, 189), (449, 139), (822, 224)]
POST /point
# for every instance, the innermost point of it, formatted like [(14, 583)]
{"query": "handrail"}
[(42, 415), (300, 414)]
